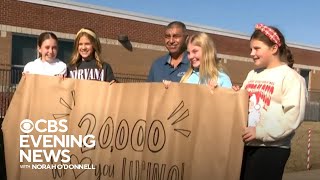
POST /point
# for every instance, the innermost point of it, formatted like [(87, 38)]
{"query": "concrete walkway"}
[(303, 175)]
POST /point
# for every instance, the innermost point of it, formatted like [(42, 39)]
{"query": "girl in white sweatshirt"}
[(47, 63), (276, 109)]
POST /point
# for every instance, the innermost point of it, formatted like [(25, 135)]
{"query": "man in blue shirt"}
[(173, 65)]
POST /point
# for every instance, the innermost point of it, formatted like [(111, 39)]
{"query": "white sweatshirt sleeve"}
[(293, 101), (28, 67)]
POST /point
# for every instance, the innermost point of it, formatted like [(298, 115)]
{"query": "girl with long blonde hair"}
[(204, 65), (86, 60)]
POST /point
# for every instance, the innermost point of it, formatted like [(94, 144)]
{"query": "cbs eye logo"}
[(51, 126), (26, 126)]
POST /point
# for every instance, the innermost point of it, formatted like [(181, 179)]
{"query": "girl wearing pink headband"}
[(277, 97)]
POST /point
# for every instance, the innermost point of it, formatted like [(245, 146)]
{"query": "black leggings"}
[(261, 163)]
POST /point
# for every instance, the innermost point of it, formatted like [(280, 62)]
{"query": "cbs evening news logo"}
[(39, 148)]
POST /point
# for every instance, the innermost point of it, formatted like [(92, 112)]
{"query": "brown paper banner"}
[(141, 131)]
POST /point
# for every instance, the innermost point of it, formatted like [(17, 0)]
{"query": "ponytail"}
[(287, 55)]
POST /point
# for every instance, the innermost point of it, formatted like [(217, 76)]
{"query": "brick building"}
[(22, 21)]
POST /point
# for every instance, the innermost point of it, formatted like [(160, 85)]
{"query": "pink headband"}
[(270, 33)]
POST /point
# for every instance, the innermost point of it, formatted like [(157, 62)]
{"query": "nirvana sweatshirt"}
[(277, 104), (88, 70)]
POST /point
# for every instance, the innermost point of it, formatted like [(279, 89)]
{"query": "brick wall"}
[(35, 16), (238, 70), (137, 61), (315, 81), (29, 15), (5, 48)]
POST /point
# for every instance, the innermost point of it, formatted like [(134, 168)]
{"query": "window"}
[(24, 49), (65, 50), (305, 73)]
